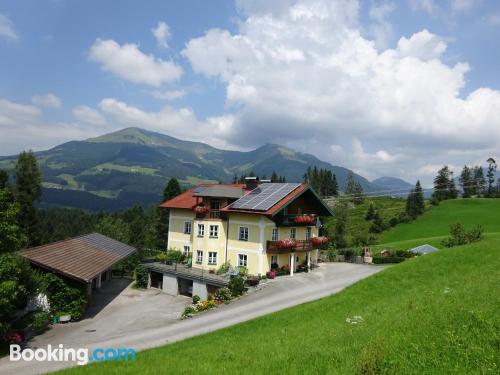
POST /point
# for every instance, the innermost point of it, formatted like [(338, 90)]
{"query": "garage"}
[(156, 280)]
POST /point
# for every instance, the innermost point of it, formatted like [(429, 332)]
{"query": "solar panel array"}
[(264, 197)]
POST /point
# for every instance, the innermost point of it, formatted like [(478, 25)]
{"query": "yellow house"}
[(259, 225)]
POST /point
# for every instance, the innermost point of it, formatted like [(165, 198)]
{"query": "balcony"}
[(297, 220), (289, 246)]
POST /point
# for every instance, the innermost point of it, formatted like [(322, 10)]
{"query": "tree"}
[(370, 214), (114, 227), (492, 167), (340, 233), (411, 207), (12, 237), (467, 182), (323, 181), (28, 191), (419, 198), (354, 190), (479, 181), (377, 224), (444, 185), (172, 190), (4, 179)]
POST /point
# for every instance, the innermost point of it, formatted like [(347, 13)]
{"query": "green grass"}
[(436, 220), (106, 167), (436, 314)]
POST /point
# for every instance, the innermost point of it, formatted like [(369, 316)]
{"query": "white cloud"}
[(462, 5), (47, 101), (88, 115), (162, 34), (168, 94), (128, 62), (424, 5), (493, 19), (305, 76), (7, 29), (382, 28)]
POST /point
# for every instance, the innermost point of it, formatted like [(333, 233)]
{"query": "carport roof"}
[(81, 258)]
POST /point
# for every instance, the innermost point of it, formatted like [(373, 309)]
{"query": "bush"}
[(389, 259), (274, 266), (205, 305), (236, 285), (62, 297), (174, 256), (223, 294), (459, 236), (141, 276), (189, 311), (40, 320), (196, 299), (331, 254), (242, 271), (271, 274), (224, 268)]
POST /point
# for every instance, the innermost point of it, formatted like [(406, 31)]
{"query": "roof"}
[(219, 191), (424, 249), (189, 199), (81, 258)]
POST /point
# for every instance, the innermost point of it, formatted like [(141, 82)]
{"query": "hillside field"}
[(436, 314), (434, 225)]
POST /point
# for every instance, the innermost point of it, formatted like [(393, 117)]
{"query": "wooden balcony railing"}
[(274, 247)]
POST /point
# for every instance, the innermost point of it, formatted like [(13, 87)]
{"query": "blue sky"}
[(405, 78)]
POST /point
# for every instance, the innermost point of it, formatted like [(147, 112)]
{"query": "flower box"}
[(201, 210), (305, 219), (318, 241), (287, 244)]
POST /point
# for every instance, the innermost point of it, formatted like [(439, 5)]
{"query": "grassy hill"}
[(436, 314), (433, 226), (140, 162)]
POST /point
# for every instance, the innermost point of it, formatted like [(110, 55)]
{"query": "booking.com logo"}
[(61, 354)]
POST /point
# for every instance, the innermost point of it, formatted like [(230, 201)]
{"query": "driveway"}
[(146, 319)]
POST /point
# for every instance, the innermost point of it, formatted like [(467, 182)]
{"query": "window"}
[(308, 233), (187, 227), (242, 260), (201, 230), (214, 231), (199, 256), (276, 234), (212, 258), (293, 233), (243, 235), (274, 260), (214, 209), (186, 250)]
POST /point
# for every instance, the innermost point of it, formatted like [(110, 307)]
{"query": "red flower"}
[(201, 209), (319, 240), (287, 244)]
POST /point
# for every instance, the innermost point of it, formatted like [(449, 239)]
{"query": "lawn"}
[(436, 314), (436, 220)]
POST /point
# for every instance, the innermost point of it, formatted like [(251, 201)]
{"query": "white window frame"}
[(212, 258), (188, 227), (308, 233), (214, 231), (275, 236), (199, 256), (186, 252), (241, 230), (201, 230), (242, 260), (293, 233)]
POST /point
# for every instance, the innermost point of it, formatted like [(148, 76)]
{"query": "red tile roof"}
[(187, 201)]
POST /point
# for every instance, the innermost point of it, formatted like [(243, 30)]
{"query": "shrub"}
[(141, 276), (331, 254), (271, 274), (174, 256), (189, 311), (459, 236), (236, 285), (61, 297), (242, 271), (205, 305), (196, 299), (224, 268), (40, 320), (161, 257), (223, 294), (274, 266), (388, 259)]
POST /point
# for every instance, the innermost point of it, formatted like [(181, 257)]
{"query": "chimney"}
[(251, 182)]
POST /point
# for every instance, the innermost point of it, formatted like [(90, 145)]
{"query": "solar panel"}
[(264, 197)]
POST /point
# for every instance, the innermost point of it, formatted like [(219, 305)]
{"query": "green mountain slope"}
[(436, 314), (135, 163)]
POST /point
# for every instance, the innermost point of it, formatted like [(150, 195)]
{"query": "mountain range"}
[(131, 166)]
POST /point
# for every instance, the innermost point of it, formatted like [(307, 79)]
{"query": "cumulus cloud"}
[(7, 29), (128, 62), (168, 94), (382, 28), (162, 34), (423, 5), (88, 115), (47, 101), (302, 74)]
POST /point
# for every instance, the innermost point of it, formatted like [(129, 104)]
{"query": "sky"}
[(386, 88)]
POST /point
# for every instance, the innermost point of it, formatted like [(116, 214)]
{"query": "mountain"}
[(392, 185), (131, 166)]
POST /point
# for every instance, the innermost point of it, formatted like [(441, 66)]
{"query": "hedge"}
[(380, 260)]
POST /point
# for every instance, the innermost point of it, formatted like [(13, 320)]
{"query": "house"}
[(85, 261), (258, 225)]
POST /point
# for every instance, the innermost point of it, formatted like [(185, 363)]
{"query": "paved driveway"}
[(142, 320)]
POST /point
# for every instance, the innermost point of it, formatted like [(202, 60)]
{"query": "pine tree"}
[(274, 177), (419, 198), (444, 186), (172, 190), (466, 182), (377, 224), (4, 179), (479, 181), (370, 214), (340, 234), (411, 208), (492, 167), (452, 188), (28, 192)]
